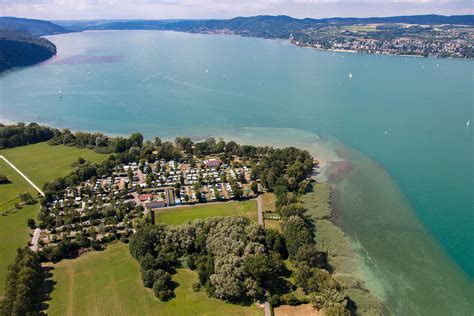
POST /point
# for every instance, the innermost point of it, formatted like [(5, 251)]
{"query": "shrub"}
[(4, 179), (196, 286)]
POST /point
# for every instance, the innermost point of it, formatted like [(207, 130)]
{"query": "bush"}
[(148, 278), (162, 284), (196, 286), (4, 179), (31, 223), (274, 300)]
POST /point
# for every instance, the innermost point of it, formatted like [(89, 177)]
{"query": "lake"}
[(407, 202)]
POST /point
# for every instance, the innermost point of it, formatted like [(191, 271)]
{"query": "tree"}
[(148, 278), (31, 223), (23, 282), (296, 233), (311, 256), (4, 179), (162, 285), (254, 187), (261, 267), (136, 139), (27, 198), (157, 141)]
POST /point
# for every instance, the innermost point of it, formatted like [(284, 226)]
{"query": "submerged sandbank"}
[(396, 258)]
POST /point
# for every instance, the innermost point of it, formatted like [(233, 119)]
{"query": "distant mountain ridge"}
[(31, 26), (267, 21), (427, 35)]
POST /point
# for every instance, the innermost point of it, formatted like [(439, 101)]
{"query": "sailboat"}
[(468, 123), (350, 75)]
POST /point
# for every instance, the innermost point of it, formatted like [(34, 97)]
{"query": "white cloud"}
[(161, 9)]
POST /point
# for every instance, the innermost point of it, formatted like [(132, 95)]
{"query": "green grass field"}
[(9, 192), (13, 229), (43, 163), (108, 283), (180, 215), (13, 234)]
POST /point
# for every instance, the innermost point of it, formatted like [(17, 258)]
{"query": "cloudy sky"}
[(168, 9)]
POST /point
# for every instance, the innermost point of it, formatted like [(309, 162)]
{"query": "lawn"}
[(108, 283), (13, 234), (9, 192), (13, 229), (43, 163), (268, 202), (180, 215)]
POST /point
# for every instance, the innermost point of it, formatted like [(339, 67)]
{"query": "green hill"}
[(21, 49), (33, 27)]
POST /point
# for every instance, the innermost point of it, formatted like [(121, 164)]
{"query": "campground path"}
[(266, 305), (34, 240), (260, 210), (22, 174)]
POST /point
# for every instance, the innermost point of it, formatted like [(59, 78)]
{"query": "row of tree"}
[(22, 285), (22, 134), (312, 269)]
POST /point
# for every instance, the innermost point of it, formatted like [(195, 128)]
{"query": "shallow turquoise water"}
[(407, 114)]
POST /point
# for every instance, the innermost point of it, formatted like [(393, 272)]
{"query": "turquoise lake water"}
[(407, 203)]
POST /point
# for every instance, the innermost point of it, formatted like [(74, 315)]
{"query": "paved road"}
[(267, 309), (34, 240), (260, 210), (21, 174)]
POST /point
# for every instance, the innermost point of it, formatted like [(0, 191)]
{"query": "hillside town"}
[(398, 39)]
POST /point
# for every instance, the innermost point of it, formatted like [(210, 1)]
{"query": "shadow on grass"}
[(46, 287)]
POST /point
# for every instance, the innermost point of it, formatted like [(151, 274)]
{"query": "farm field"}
[(180, 215), (43, 163), (108, 283)]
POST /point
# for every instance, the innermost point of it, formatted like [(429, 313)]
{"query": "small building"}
[(213, 163), (145, 197)]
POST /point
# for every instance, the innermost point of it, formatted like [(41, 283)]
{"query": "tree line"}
[(22, 134), (22, 285)]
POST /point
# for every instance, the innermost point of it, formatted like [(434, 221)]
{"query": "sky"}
[(203, 9)]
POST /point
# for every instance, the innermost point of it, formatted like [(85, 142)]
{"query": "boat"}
[(207, 70), (350, 75), (224, 77), (468, 123)]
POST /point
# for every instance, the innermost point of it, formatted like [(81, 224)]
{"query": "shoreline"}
[(347, 170)]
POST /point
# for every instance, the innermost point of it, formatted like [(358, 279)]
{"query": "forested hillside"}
[(20, 42), (21, 49), (33, 27)]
